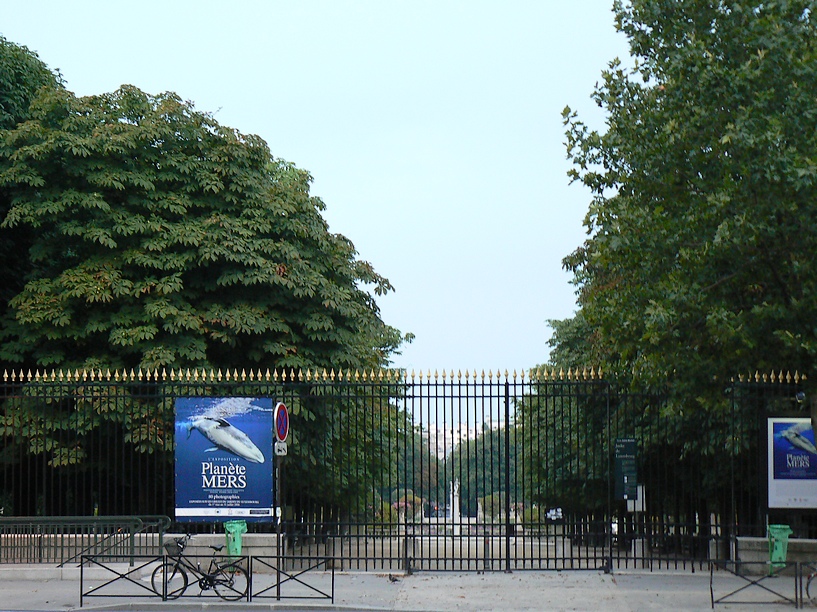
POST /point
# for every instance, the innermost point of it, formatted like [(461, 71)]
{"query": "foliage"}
[(570, 342), (699, 261), (534, 517), (419, 469), (406, 503), (70, 425), (161, 238), (22, 75), (345, 445), (479, 465), (342, 443), (564, 433), (386, 514), (144, 235), (493, 506)]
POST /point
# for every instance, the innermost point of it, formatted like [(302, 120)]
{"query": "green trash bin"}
[(234, 530), (778, 546)]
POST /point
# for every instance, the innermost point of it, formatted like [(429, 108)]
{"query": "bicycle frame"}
[(221, 575)]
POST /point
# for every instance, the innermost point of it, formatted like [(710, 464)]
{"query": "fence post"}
[(408, 544), (507, 476), (135, 526), (608, 526)]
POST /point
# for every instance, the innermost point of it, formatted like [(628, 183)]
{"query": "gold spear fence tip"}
[(540, 374)]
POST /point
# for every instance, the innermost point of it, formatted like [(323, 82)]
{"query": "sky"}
[(432, 130)]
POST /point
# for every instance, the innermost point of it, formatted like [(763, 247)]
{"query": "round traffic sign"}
[(281, 418)]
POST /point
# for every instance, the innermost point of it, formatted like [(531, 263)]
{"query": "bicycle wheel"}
[(812, 599), (231, 582), (171, 576)]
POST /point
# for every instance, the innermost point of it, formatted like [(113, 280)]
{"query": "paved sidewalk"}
[(22, 589)]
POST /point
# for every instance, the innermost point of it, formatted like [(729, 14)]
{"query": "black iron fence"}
[(451, 470)]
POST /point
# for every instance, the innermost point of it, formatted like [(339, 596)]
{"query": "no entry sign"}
[(281, 419)]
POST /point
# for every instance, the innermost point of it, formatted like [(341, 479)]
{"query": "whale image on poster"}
[(226, 437), (792, 463), (224, 459)]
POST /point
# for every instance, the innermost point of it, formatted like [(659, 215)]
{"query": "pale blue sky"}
[(432, 129)]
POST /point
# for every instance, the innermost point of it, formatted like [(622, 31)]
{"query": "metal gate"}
[(397, 471), (513, 471)]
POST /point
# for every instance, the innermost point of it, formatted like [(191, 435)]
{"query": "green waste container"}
[(778, 546), (234, 530)]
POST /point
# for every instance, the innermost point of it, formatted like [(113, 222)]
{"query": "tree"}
[(699, 261), (22, 76), (564, 437), (148, 236), (479, 465), (570, 342), (161, 238), (418, 468), (348, 440)]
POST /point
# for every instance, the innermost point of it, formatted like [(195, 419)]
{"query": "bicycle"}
[(811, 599), (227, 578)]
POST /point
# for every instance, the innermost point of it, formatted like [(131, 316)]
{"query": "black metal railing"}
[(394, 470), (63, 540)]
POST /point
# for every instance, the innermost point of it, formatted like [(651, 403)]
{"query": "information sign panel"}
[(626, 468)]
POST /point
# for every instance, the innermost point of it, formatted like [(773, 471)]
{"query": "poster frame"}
[(223, 459), (791, 470)]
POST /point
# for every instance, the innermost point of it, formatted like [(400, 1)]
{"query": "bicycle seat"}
[(217, 548)]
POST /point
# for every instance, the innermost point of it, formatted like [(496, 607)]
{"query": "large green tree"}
[(140, 233), (22, 76), (160, 238), (699, 261)]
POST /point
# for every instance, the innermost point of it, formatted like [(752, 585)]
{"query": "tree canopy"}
[(22, 75), (699, 260), (148, 235)]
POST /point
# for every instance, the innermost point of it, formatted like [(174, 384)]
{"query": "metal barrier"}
[(61, 540), (760, 582), (293, 578), (102, 576), (113, 581), (807, 573)]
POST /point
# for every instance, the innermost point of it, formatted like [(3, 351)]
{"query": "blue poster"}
[(792, 463), (224, 459)]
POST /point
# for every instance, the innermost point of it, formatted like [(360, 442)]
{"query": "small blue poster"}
[(792, 463), (224, 459)]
